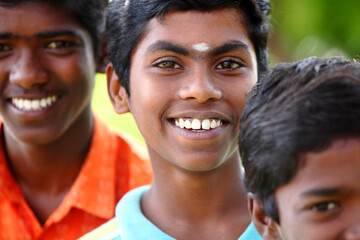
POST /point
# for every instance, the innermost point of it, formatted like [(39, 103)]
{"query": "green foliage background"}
[(300, 28)]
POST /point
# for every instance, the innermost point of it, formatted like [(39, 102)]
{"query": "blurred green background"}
[(300, 29)]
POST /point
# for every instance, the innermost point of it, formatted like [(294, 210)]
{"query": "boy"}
[(61, 170), (183, 69), (300, 147)]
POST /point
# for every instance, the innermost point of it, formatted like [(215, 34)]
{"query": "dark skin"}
[(45, 54), (210, 206), (59, 163), (197, 191)]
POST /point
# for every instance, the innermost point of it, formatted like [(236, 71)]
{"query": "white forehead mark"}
[(127, 2), (201, 47)]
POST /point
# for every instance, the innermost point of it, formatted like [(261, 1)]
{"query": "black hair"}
[(297, 108), (89, 13), (127, 19)]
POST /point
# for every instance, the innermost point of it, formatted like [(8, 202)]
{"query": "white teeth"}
[(27, 105), (205, 124), (213, 124), (33, 104), (43, 103), (218, 123), (188, 124), (181, 123), (197, 124), (20, 103)]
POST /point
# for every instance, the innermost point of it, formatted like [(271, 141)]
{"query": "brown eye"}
[(228, 65), (169, 64), (324, 206), (59, 44), (4, 47)]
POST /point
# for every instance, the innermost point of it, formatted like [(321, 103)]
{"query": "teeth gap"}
[(197, 124), (34, 104)]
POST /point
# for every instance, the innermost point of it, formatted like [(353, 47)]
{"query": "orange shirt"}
[(112, 168)]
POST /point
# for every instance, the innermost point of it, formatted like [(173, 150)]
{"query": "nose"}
[(200, 87), (28, 71)]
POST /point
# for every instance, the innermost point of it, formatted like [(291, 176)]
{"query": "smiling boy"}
[(184, 69), (61, 170), (300, 146)]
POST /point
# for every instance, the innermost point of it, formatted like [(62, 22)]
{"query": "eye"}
[(169, 65), (5, 47), (5, 50), (228, 65), (59, 44), (324, 206)]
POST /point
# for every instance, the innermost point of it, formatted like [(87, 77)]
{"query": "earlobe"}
[(117, 93), (264, 224)]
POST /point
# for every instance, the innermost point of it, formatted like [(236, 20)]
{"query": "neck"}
[(207, 205), (58, 162)]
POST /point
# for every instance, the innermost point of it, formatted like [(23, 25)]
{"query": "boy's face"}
[(189, 78), (323, 200), (47, 69)]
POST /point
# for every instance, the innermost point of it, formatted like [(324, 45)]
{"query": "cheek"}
[(238, 97), (76, 72)]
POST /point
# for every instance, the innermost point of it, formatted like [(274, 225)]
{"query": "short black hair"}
[(297, 108), (89, 13), (126, 21)]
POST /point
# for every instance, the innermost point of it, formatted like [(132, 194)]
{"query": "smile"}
[(198, 124), (33, 104)]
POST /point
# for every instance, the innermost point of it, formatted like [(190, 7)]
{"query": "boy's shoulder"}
[(128, 220)]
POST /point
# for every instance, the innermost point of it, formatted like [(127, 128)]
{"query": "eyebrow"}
[(42, 35), (5, 35), (168, 46), (228, 47), (323, 192), (52, 34)]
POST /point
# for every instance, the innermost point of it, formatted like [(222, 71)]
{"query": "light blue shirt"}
[(133, 225)]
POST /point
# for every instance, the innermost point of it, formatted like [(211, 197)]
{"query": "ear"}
[(103, 59), (264, 224), (117, 93)]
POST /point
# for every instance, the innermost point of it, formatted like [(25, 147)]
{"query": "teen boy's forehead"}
[(40, 20), (229, 33)]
